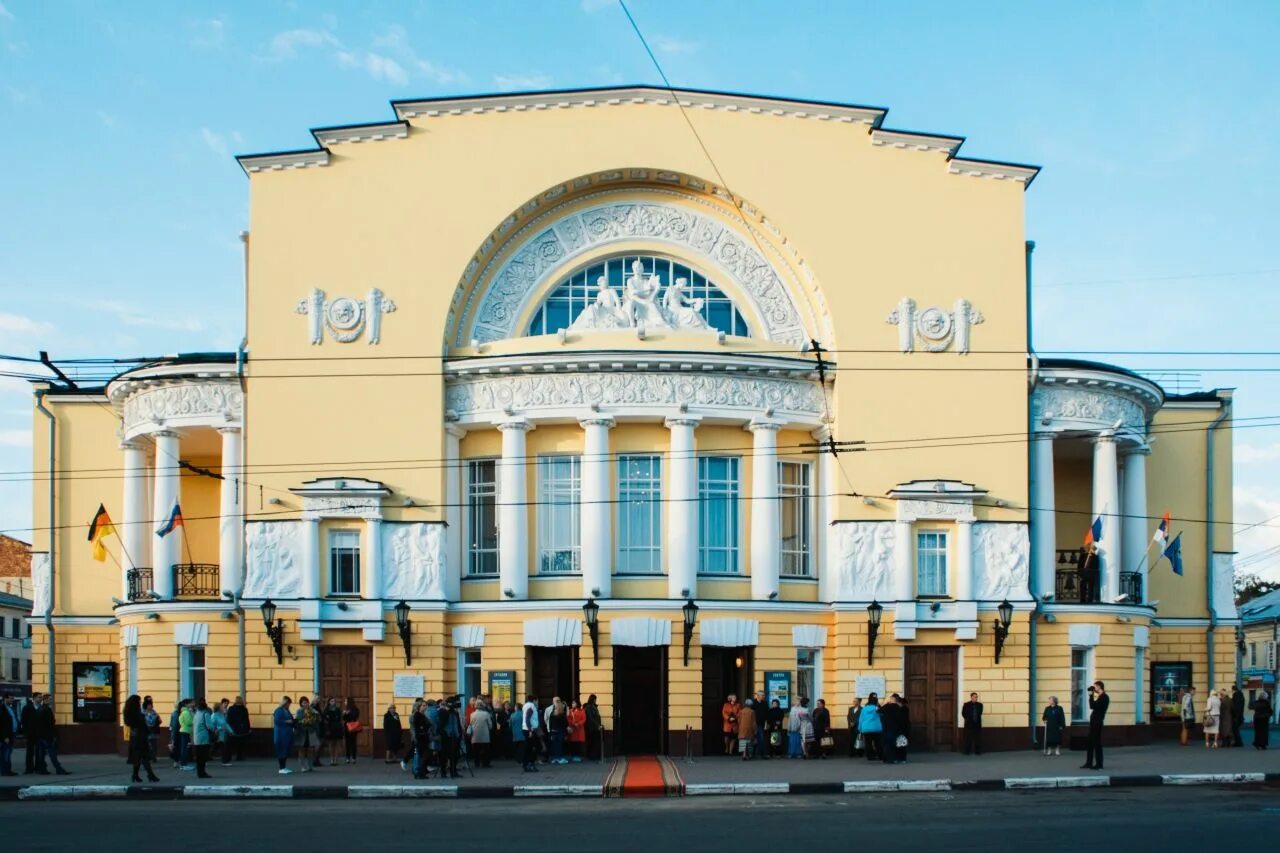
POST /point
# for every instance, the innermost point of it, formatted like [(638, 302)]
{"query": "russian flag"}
[(1094, 533), (175, 520), (1161, 537)]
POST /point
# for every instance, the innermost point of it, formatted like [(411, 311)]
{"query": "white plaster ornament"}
[(935, 329), (345, 317)]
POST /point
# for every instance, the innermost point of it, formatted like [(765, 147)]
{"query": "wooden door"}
[(724, 671), (552, 672), (931, 697), (640, 700), (347, 672)]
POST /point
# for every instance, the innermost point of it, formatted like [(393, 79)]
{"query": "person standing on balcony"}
[(971, 713), (1087, 570)]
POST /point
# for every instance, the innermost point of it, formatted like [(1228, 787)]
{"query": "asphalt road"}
[(1134, 819)]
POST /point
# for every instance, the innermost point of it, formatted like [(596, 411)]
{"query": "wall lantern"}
[(1004, 621), (275, 628), (690, 611), (591, 613), (874, 610), (402, 625)]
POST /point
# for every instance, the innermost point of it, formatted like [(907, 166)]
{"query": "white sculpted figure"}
[(641, 300), (605, 313), (683, 312)]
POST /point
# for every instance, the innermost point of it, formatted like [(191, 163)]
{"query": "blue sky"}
[(1156, 125)]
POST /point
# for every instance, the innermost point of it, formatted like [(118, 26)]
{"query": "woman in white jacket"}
[(799, 730), (1212, 714)]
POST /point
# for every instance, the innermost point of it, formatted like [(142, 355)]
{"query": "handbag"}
[(826, 741), (353, 726), (775, 738), (901, 742), (859, 742)]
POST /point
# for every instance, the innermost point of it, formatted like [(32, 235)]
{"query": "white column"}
[(597, 506), (230, 516), (826, 487), (513, 510), (1106, 503), (453, 512), (373, 575), (1135, 526), (904, 576), (682, 515), (311, 568), (766, 536), (134, 531), (1044, 537), (964, 560), (167, 549)]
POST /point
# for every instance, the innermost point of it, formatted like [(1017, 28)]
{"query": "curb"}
[(48, 793)]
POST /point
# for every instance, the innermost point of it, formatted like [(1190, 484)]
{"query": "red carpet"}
[(647, 776)]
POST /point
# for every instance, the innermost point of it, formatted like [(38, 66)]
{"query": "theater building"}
[(536, 369)]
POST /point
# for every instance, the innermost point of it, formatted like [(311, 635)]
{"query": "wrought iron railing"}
[(196, 580), (1074, 587), (139, 580)]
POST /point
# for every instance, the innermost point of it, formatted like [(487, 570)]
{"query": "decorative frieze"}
[(1001, 562), (415, 560), (274, 559), (193, 402)]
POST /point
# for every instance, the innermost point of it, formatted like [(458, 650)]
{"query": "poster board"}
[(93, 687), (777, 685), (408, 686), (502, 686)]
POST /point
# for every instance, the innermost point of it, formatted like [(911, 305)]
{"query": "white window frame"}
[(1087, 671), (729, 488), (635, 490), (567, 497), (464, 666), (817, 677), (1253, 654), (941, 552), (801, 497), (475, 553), (345, 535), (186, 684)]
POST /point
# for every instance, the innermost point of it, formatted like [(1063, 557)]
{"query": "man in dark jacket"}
[(8, 731), (594, 724), (238, 722), (47, 726), (30, 732), (891, 722), (1087, 571), (1099, 701), (971, 713), (1237, 715)]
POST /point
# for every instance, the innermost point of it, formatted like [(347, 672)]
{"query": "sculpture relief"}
[(864, 550), (344, 317), (182, 400), (415, 561), (1098, 408), (274, 559), (42, 583), (1001, 562), (639, 306), (936, 329)]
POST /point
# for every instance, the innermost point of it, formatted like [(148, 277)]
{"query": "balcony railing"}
[(139, 583), (1072, 587), (196, 581)]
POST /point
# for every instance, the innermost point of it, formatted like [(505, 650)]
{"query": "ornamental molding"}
[(182, 403), (642, 631), (500, 296), (414, 560), (343, 317), (1001, 561), (274, 559), (934, 329), (863, 560), (351, 506), (940, 510), (729, 633), (284, 160), (567, 395), (1093, 401)]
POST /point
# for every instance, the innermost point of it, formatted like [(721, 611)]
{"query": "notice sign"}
[(777, 685), (408, 686), (95, 692), (865, 685), (502, 687)]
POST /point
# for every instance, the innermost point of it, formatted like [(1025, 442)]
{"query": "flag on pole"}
[(1094, 533), (1174, 554), (1162, 532), (100, 528), (175, 520)]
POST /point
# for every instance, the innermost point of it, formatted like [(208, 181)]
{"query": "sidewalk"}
[(108, 776)]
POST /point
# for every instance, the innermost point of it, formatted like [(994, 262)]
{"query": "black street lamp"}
[(275, 628), (690, 611), (406, 632), (591, 613), (874, 610), (1004, 621)]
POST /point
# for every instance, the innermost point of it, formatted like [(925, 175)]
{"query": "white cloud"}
[(1249, 454), (17, 324), (285, 45), (509, 82), (210, 33), (131, 316), (672, 45), (5, 13), (379, 67), (390, 57), (15, 438), (1261, 507), (218, 142)]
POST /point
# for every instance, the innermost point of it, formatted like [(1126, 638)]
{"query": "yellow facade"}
[(390, 288)]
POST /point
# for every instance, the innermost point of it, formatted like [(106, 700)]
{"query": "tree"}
[(1249, 586)]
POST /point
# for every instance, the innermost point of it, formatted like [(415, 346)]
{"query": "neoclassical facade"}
[(529, 403)]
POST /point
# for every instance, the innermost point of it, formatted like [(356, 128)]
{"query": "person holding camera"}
[(1099, 701)]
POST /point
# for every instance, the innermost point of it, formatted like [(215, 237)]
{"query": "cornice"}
[(326, 136), (916, 141), (615, 361), (993, 169), (283, 160)]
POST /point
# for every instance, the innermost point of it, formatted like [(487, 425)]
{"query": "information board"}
[(408, 686), (777, 685), (94, 688)]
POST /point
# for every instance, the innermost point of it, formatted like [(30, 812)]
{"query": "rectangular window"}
[(28, 669), (559, 514), (1081, 663), (1139, 695), (639, 514), (482, 517), (793, 507), (17, 627), (469, 673), (1253, 654), (931, 563), (192, 673), (344, 562), (806, 676), (14, 669), (2, 628), (718, 514)]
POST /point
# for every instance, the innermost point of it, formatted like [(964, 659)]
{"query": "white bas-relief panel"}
[(274, 559), (864, 560), (1224, 574), (1001, 561), (414, 561), (42, 583)]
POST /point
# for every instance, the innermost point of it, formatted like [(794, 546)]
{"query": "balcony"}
[(196, 581), (1071, 587), (139, 583)]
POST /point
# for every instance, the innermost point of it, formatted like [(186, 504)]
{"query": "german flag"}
[(99, 529)]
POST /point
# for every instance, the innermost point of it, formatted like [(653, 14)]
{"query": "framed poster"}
[(1168, 680), (777, 685), (502, 686), (93, 687), (408, 686), (865, 685)]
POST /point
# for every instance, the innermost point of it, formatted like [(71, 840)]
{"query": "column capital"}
[(515, 424), (131, 444), (969, 521), (454, 430), (763, 424), (1134, 450), (682, 420), (164, 433), (228, 429), (1107, 436), (597, 420)]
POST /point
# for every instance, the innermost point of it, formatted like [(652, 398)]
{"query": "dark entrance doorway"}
[(347, 672), (724, 671), (552, 672), (640, 700), (931, 692)]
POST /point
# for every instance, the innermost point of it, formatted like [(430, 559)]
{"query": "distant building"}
[(15, 607), (1258, 664)]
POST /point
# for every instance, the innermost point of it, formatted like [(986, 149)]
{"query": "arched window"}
[(701, 306)]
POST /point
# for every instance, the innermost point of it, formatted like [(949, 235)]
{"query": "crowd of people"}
[(1222, 718), (34, 722)]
